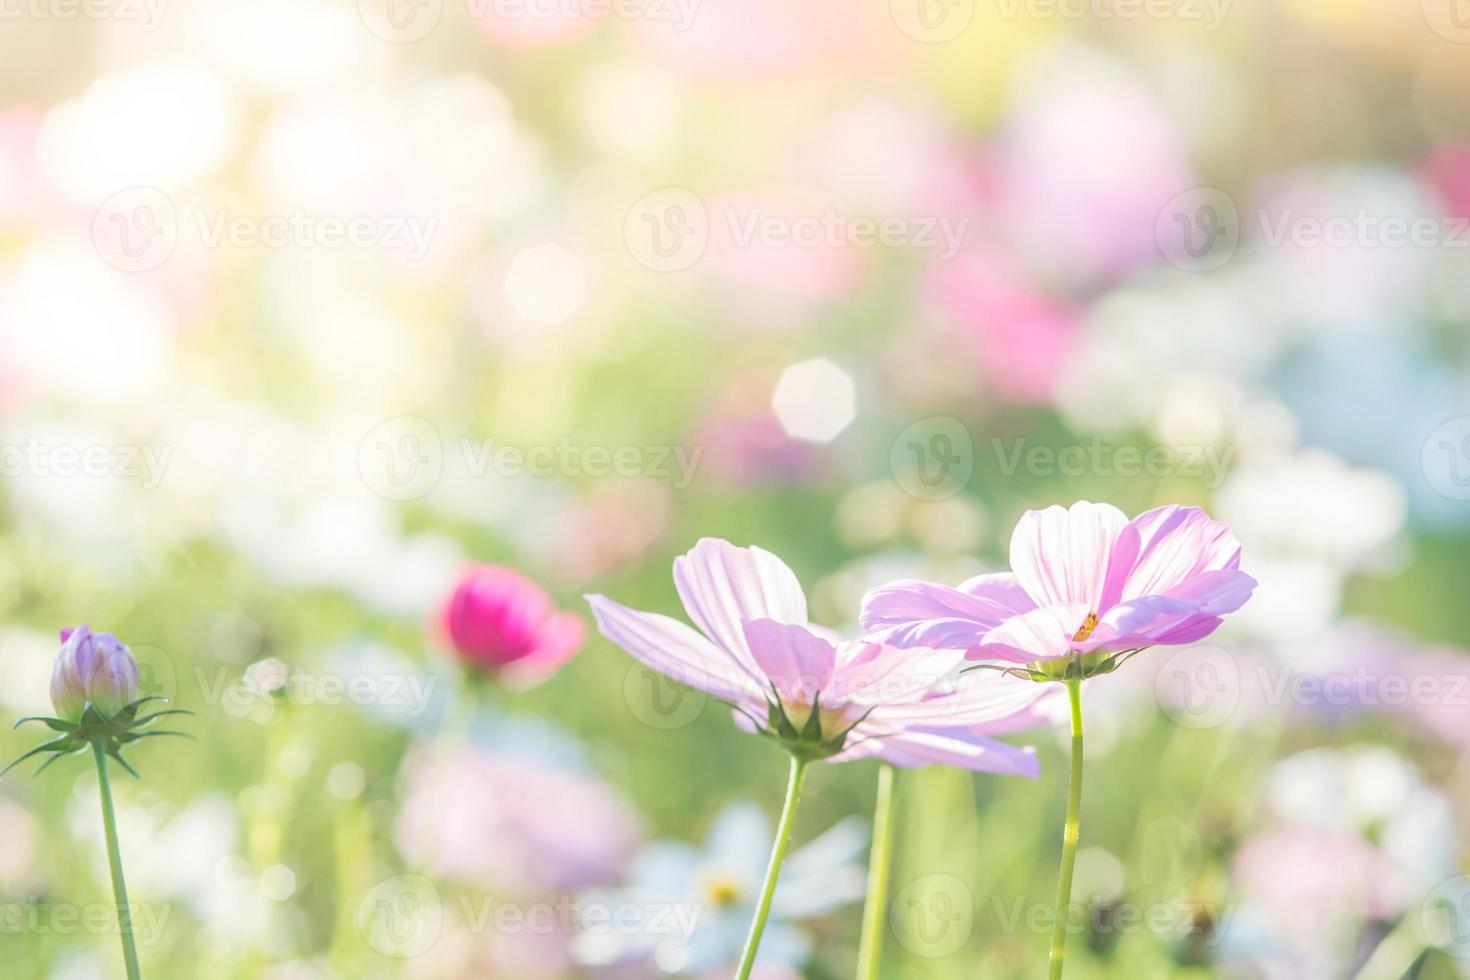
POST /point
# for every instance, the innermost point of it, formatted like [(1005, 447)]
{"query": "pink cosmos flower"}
[(500, 621), (822, 696), (1084, 580)]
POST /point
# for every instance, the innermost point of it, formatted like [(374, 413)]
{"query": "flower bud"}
[(95, 668), (501, 622)]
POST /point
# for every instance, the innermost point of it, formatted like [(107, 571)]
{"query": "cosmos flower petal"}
[(795, 659), (1001, 588), (977, 699), (1162, 549), (910, 613), (674, 649), (959, 747), (1042, 634), (1061, 556), (877, 674), (722, 586)]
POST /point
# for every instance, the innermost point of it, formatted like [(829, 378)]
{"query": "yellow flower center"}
[(1085, 630), (722, 890), (832, 720)]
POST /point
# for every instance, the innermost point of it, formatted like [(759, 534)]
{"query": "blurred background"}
[(305, 305)]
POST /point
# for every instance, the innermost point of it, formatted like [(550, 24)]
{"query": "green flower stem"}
[(114, 860), (773, 870), (880, 867), (1069, 835)]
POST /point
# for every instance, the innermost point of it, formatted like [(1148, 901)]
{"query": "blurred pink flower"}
[(1448, 171), (1084, 579), (469, 951), (821, 696), (1317, 886), (26, 197), (743, 444), (487, 817), (501, 622), (1084, 171), (1022, 338), (743, 41)]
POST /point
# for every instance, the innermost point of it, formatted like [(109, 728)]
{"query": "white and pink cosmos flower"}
[(1085, 583), (822, 696)]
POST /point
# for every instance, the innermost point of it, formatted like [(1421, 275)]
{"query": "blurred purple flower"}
[(822, 696), (501, 622), (502, 820), (1097, 221), (92, 668)]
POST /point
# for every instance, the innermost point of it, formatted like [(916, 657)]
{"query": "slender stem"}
[(114, 860), (1069, 835), (880, 866), (773, 870)]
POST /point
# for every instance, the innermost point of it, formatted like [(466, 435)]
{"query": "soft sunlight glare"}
[(546, 283), (815, 400)]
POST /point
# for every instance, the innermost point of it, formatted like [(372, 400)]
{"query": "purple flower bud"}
[(92, 667)]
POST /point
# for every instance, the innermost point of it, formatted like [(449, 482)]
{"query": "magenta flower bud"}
[(501, 622), (95, 668)]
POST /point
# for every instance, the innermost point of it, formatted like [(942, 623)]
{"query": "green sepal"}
[(111, 733)]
